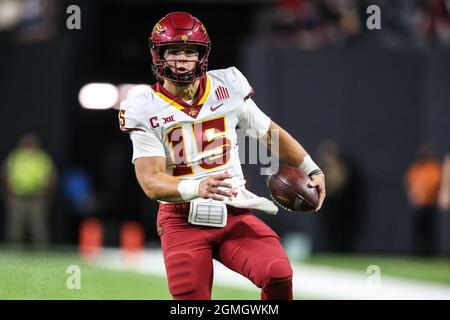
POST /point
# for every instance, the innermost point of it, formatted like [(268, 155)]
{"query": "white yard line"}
[(311, 281), (332, 283)]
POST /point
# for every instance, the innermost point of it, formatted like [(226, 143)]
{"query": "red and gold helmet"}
[(179, 28)]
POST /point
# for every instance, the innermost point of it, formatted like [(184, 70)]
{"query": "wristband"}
[(310, 167), (188, 189)]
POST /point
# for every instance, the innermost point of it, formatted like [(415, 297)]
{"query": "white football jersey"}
[(197, 139)]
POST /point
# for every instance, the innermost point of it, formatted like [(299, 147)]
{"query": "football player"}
[(185, 154), (444, 191)]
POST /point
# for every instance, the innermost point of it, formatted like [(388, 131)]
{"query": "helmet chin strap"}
[(180, 80)]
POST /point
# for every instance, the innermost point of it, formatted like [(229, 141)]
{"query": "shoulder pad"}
[(234, 79)]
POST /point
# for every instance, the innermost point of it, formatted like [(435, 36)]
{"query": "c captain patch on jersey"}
[(196, 138)]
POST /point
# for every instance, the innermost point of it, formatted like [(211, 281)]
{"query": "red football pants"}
[(246, 245)]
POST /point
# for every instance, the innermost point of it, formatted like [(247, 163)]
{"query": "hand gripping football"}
[(290, 190)]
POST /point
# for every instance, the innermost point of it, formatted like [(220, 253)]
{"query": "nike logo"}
[(216, 107)]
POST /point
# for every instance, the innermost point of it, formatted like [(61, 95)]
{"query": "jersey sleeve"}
[(246, 88), (146, 144), (145, 141), (128, 118), (252, 120)]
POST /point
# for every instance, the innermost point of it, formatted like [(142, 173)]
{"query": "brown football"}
[(289, 189)]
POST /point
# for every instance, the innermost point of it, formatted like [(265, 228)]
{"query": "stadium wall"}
[(378, 104)]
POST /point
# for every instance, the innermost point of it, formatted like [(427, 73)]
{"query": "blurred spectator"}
[(29, 177), (444, 192), (78, 191), (80, 197), (434, 21), (30, 20), (38, 21), (422, 183), (312, 24), (398, 18), (340, 214)]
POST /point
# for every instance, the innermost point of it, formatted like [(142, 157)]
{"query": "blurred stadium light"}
[(128, 90), (10, 13), (98, 96), (102, 96)]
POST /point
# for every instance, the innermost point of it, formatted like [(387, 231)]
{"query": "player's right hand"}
[(209, 187)]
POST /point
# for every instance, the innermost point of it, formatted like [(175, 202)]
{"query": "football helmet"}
[(179, 28)]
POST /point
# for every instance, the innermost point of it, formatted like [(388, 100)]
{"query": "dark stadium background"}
[(378, 101)]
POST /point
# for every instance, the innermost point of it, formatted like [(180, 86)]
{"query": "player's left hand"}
[(318, 182)]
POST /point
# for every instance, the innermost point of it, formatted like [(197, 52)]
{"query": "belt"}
[(183, 207)]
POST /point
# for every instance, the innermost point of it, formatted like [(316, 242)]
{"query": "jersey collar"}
[(191, 110)]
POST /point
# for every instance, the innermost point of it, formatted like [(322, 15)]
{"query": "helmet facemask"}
[(163, 70)]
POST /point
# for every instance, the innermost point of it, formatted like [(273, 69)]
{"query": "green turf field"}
[(30, 275), (426, 269)]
